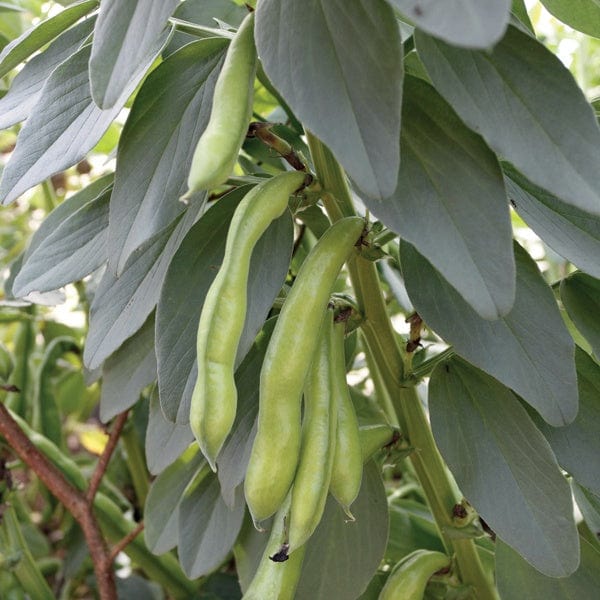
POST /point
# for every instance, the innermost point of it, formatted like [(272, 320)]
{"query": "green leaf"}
[(527, 106), (411, 527), (468, 23), (165, 440), (583, 15), (192, 271), (206, 13), (36, 37), (63, 126), (161, 512), (121, 305), (341, 558), (491, 444), (580, 295), (518, 579), (450, 202), (127, 372), (235, 455), (589, 505), (529, 350), (208, 528), (338, 64), (569, 231), (577, 446), (135, 586), (25, 88), (126, 38), (167, 118), (519, 10), (67, 251)]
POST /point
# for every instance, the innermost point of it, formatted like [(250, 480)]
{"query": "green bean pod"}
[(214, 399), (374, 438), (218, 148), (276, 448), (346, 475), (312, 480), (276, 579), (409, 577)]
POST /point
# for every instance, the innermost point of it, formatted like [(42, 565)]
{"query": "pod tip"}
[(351, 518), (282, 554), (258, 525)]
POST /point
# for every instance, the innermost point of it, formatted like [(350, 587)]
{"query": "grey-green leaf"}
[(468, 23), (189, 277), (125, 40), (121, 305), (63, 126), (161, 512), (583, 15), (450, 202), (577, 446), (580, 294), (167, 118), (527, 106), (529, 350), (127, 372), (589, 505), (570, 231), (343, 81), (491, 444), (165, 440), (208, 528), (67, 251), (516, 578), (25, 88), (39, 35)]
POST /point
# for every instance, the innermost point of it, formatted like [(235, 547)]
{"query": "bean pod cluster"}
[(308, 443)]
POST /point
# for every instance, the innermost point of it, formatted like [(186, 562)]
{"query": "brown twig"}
[(263, 132), (71, 498), (126, 541), (105, 456)]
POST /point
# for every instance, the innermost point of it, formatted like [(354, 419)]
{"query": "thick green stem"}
[(381, 340)]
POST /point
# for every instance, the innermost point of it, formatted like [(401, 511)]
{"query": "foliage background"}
[(44, 345)]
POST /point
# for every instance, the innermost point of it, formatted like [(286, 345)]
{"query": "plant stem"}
[(381, 341), (105, 457)]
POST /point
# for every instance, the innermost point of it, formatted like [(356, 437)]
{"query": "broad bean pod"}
[(276, 579), (409, 577), (346, 475), (276, 448), (214, 399), (374, 438), (312, 480), (217, 149)]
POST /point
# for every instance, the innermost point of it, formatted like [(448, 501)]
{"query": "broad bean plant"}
[(330, 363)]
